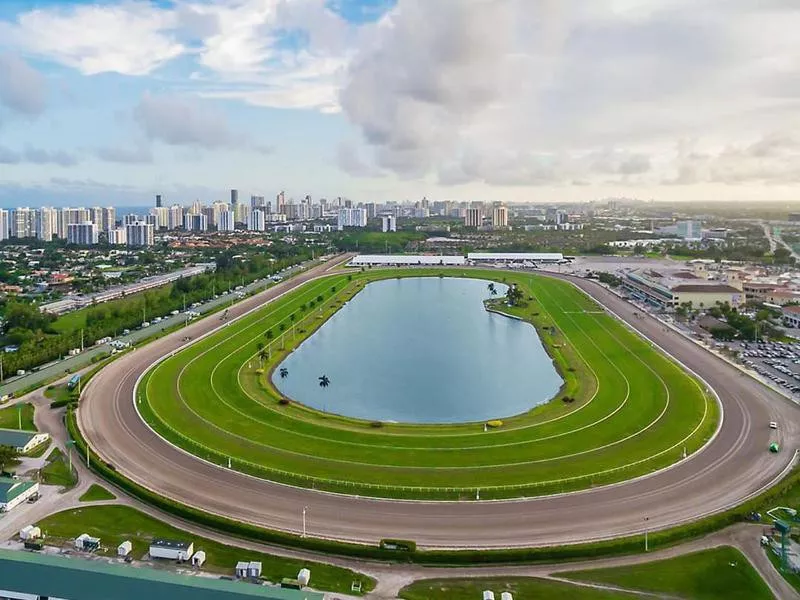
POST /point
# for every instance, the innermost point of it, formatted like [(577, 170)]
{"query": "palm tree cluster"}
[(514, 295)]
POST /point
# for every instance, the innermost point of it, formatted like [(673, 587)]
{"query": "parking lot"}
[(776, 361)]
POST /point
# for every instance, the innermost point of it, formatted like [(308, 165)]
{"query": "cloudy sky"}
[(113, 101)]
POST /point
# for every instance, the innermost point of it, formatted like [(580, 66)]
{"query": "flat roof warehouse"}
[(454, 260)]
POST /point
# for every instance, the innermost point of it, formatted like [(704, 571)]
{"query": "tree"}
[(324, 381), (263, 355), (8, 457), (268, 334), (492, 289), (284, 372)]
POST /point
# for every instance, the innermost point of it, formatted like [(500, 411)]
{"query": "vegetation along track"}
[(624, 410)]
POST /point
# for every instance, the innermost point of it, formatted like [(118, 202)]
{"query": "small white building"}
[(488, 595), (124, 549), (86, 543), (30, 532), (506, 596), (198, 558), (171, 549), (303, 577), (22, 441), (246, 569), (14, 492)]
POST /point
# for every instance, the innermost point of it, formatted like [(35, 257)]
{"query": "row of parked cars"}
[(774, 355)]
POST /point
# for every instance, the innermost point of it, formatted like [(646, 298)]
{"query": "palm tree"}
[(284, 372), (268, 334), (492, 289), (324, 381), (263, 355)]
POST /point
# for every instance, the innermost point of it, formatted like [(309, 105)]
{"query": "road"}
[(71, 364), (733, 466)]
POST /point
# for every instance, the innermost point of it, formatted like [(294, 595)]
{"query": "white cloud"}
[(132, 38), (37, 156), (179, 121), (535, 92), (136, 154), (22, 88)]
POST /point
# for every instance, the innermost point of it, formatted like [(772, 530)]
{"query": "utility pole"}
[(184, 303), (81, 340), (1, 367), (305, 508), (646, 547), (19, 416)]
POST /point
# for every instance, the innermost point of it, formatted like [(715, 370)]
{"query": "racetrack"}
[(734, 465)]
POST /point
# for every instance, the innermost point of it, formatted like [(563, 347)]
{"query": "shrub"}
[(376, 424), (283, 401)]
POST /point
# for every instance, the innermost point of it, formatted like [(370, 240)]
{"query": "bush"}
[(376, 424), (283, 401)]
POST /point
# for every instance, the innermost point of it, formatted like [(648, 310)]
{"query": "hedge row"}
[(627, 545)]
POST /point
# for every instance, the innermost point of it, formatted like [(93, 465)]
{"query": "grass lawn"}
[(115, 524), (58, 392), (9, 417), (717, 574), (521, 587), (95, 493), (56, 471), (39, 450), (215, 399)]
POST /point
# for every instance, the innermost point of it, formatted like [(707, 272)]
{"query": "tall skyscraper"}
[(139, 234), (473, 217), (500, 217), (256, 220), (280, 203), (226, 221), (4, 224), (117, 236), (234, 197), (22, 223), (47, 223), (388, 223), (158, 201), (351, 217), (82, 234)]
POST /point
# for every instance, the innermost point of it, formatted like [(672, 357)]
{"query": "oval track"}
[(733, 466)]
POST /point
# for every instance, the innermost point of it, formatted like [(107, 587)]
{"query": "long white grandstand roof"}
[(406, 259), (511, 256)]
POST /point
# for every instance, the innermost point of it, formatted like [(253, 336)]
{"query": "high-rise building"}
[(139, 234), (226, 221), (22, 223), (175, 217), (129, 219), (47, 223), (256, 220), (161, 213), (108, 219), (388, 223), (372, 210), (68, 216), (280, 203), (473, 217), (117, 236), (158, 201), (82, 234), (500, 217), (4, 224), (351, 217), (234, 197), (192, 222), (258, 201)]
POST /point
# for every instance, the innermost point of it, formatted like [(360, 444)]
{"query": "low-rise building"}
[(22, 441), (14, 492), (171, 549), (791, 316)]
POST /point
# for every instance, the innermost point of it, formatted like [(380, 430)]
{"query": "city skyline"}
[(381, 100)]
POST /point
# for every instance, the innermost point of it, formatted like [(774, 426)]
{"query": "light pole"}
[(646, 547), (70, 444), (305, 508)]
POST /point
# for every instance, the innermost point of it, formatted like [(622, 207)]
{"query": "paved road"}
[(732, 467), (57, 368)]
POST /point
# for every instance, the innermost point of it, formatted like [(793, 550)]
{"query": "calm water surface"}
[(421, 350)]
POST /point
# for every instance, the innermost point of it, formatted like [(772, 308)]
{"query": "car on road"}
[(773, 425), (774, 447)]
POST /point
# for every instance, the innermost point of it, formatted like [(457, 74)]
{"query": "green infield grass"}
[(116, 524), (624, 409), (717, 574), (56, 471)]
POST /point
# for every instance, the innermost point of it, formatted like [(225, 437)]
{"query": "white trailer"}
[(198, 558), (124, 548), (30, 532), (171, 549), (303, 577), (488, 595)]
